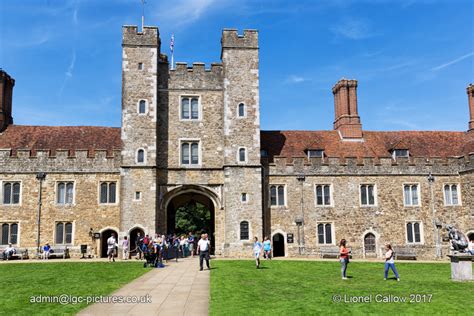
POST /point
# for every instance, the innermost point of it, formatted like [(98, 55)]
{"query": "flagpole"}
[(143, 14), (172, 51)]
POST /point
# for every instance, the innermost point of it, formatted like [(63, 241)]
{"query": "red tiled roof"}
[(60, 137), (375, 144)]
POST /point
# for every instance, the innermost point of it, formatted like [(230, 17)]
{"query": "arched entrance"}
[(103, 241), (470, 235), (133, 240), (278, 245), (370, 248), (191, 209)]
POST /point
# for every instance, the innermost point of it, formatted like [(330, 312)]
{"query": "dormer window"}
[(315, 153), (400, 153)]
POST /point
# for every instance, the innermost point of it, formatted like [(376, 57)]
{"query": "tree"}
[(193, 217)]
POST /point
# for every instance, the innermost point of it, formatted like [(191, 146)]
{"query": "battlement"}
[(5, 77), (369, 165), (196, 76), (60, 160), (231, 39), (132, 37)]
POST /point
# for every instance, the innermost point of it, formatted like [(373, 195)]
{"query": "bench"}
[(331, 251), (404, 252), (19, 254), (61, 252)]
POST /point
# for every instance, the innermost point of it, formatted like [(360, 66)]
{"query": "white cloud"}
[(295, 79), (182, 12), (452, 62), (353, 29)]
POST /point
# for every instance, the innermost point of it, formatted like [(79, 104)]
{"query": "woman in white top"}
[(390, 262)]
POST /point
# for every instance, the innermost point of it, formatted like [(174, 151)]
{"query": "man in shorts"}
[(111, 244)]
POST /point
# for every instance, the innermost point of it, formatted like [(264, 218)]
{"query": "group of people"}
[(389, 257), (171, 246)]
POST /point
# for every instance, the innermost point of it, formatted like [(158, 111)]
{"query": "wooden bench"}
[(19, 254), (331, 251), (404, 252), (60, 252)]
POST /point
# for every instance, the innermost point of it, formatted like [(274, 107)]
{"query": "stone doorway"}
[(278, 245), (103, 241), (370, 245), (191, 211), (132, 240)]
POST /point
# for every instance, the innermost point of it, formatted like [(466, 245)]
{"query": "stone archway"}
[(190, 196), (104, 235)]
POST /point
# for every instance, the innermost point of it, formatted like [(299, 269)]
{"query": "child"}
[(389, 262), (125, 248), (267, 248), (257, 248)]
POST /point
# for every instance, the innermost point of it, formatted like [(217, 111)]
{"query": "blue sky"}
[(413, 58)]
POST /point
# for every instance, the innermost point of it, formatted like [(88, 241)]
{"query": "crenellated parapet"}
[(232, 39), (132, 37), (61, 160), (196, 77), (369, 165)]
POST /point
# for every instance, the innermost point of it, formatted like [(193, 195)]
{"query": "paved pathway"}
[(178, 289)]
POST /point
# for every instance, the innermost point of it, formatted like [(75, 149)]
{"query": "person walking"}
[(343, 258), (125, 248), (138, 246), (257, 249), (111, 244), (203, 251), (390, 262), (267, 248), (191, 243)]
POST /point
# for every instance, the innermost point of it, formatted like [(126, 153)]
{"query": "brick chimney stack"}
[(6, 93), (470, 96), (347, 120)]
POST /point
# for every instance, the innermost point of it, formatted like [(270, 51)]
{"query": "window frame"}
[(56, 193), (411, 196), (331, 200), (277, 200), (190, 141), (64, 233), (2, 192), (144, 156), (245, 155), (146, 107), (135, 195), (458, 191), (246, 197), (140, 66), (248, 230), (309, 151), (374, 192), (108, 182), (394, 153), (9, 241), (190, 97), (422, 234), (333, 233), (238, 110)]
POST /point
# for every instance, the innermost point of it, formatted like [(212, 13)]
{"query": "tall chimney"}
[(6, 93), (470, 96), (347, 120)]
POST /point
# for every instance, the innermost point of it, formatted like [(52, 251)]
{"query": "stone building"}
[(192, 134)]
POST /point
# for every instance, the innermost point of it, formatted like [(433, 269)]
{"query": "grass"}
[(308, 288), (21, 281)]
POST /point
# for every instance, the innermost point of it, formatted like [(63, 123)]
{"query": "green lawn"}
[(21, 281), (308, 288)]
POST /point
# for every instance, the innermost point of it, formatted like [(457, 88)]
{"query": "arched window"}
[(244, 230), (190, 153), (59, 233), (140, 156), (142, 107), (241, 110), (242, 155), (13, 233)]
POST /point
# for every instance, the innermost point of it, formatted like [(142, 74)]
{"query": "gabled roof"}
[(374, 144), (52, 138)]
